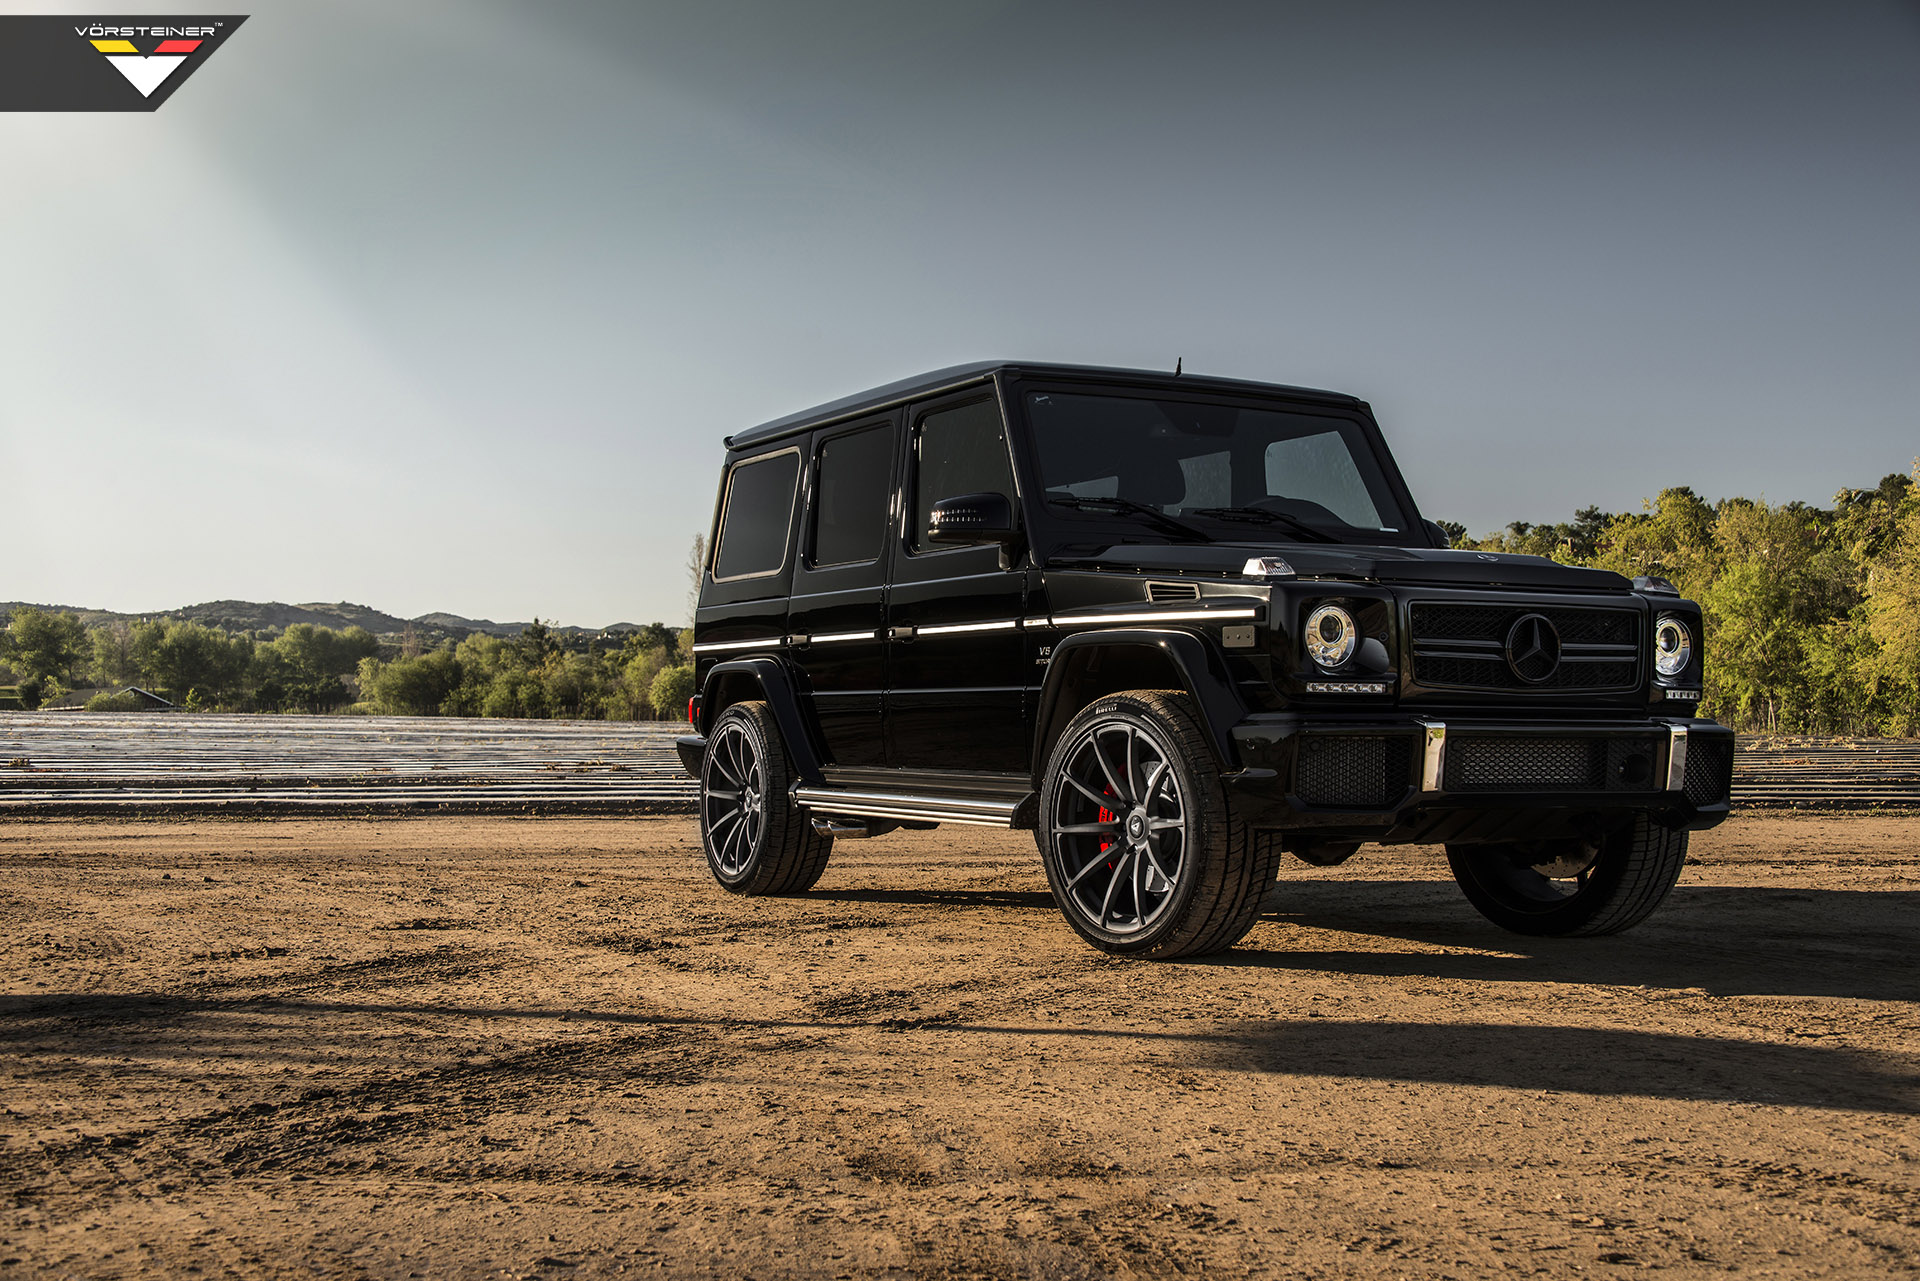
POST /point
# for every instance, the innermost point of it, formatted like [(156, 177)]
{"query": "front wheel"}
[(1142, 850), (1560, 888), (756, 839)]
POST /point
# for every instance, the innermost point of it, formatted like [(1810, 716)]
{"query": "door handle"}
[(903, 632)]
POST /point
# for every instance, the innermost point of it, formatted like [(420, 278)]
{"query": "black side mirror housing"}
[(975, 519), (971, 518), (1437, 534)]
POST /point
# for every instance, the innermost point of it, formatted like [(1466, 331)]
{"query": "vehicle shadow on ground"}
[(1726, 940), (1029, 900), (1606, 1061), (1578, 1060)]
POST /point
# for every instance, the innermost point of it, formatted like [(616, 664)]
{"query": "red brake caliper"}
[(1107, 816)]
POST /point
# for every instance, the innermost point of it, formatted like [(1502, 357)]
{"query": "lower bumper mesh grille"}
[(1353, 771), (1709, 771), (1549, 763)]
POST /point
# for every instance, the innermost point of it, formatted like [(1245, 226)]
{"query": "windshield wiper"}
[(1267, 516), (1152, 515)]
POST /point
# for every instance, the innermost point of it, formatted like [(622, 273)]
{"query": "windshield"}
[(1223, 471)]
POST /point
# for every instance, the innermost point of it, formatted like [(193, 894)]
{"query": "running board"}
[(979, 811)]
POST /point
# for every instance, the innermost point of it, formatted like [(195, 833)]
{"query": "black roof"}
[(955, 377)]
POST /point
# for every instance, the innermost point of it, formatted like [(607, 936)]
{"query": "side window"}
[(851, 496), (1321, 465), (757, 516), (962, 450)]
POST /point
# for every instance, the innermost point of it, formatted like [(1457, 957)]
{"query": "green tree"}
[(636, 679), (306, 666), (193, 663), (671, 690), (1673, 539), (1891, 613), (536, 643), (114, 662), (412, 686), (651, 637), (46, 645)]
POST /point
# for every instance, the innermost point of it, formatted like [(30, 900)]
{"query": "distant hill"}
[(455, 623), (246, 615), (249, 616)]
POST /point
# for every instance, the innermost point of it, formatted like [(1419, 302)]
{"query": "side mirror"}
[(1437, 534), (972, 518)]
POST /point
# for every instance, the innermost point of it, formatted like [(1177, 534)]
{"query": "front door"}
[(837, 613), (955, 653)]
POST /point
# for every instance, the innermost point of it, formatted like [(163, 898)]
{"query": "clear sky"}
[(447, 306)]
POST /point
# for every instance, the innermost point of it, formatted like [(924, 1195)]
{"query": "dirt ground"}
[(498, 1047)]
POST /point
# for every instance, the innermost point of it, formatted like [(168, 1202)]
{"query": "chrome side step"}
[(979, 811)]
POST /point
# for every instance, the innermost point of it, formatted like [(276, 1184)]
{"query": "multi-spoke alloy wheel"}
[(1140, 846), (757, 840), (1119, 827), (733, 800), (1572, 887)]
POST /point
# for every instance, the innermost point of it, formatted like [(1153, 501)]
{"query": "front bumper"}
[(1433, 780)]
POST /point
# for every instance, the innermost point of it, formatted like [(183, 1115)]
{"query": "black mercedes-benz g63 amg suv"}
[(1177, 626)]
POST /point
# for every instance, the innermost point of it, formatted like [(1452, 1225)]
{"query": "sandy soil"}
[(495, 1047)]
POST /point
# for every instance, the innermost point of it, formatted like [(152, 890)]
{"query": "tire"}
[(1188, 878), (1570, 888), (757, 840)]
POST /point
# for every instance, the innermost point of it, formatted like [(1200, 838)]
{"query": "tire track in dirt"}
[(916, 1071)]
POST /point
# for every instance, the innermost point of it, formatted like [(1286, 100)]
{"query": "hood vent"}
[(1161, 593)]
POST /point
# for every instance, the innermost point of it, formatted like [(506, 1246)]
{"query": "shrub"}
[(120, 701), (671, 690)]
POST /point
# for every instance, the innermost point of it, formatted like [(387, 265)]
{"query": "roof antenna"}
[(1176, 366)]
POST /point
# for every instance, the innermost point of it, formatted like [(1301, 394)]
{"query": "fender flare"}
[(777, 688), (1202, 669)]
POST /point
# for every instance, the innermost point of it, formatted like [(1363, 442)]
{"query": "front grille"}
[(1548, 763), (1353, 771), (1709, 770), (1493, 673), (1432, 620), (1464, 646)]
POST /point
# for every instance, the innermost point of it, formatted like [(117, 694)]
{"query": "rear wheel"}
[(1572, 887), (757, 840), (1140, 844)]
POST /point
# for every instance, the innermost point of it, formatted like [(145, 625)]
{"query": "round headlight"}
[(1331, 636), (1672, 646)]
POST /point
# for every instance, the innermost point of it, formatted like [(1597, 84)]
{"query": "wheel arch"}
[(742, 679), (1090, 665)]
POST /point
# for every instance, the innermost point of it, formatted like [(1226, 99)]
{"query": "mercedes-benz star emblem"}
[(1533, 649)]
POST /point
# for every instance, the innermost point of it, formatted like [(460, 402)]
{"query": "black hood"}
[(1420, 565)]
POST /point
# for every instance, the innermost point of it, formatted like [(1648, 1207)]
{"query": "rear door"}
[(837, 614), (955, 654)]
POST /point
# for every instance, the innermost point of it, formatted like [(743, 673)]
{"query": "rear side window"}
[(962, 450), (851, 500), (757, 515)]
